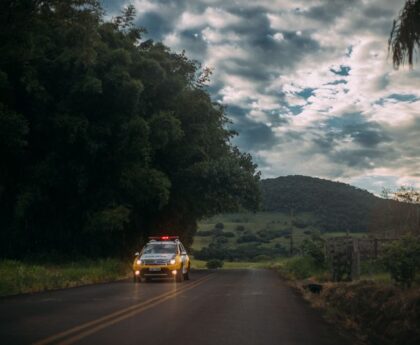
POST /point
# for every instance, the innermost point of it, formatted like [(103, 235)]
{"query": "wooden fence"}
[(346, 252)]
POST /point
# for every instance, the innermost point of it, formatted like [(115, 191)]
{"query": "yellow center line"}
[(117, 316)]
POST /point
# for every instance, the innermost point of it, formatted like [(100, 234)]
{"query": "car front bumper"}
[(156, 271)]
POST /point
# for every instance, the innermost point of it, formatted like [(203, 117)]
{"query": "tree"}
[(402, 259), (106, 137), (407, 194), (405, 34), (397, 214)]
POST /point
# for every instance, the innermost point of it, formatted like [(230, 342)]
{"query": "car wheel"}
[(136, 279), (187, 274), (148, 279), (179, 276)]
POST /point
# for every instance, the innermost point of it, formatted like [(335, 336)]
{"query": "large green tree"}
[(106, 137)]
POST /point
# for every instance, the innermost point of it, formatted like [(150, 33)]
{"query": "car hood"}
[(157, 256)]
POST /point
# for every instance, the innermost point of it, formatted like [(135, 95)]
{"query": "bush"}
[(217, 232), (204, 233), (272, 234), (262, 258), (229, 234), (299, 224), (214, 263), (301, 267), (221, 240), (315, 250), (247, 238), (402, 259), (285, 232), (212, 252), (240, 228), (219, 226)]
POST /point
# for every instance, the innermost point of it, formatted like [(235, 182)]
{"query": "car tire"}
[(187, 274), (148, 279), (136, 279), (179, 278)]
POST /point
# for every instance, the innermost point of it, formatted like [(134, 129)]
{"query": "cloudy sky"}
[(308, 84)]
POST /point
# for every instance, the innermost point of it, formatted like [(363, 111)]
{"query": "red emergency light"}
[(163, 238)]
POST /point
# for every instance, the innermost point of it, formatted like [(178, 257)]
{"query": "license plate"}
[(154, 269)]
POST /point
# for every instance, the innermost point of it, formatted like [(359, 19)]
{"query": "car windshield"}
[(160, 248)]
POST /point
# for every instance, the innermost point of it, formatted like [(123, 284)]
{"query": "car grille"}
[(155, 262)]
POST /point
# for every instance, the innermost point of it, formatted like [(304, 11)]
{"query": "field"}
[(300, 226)]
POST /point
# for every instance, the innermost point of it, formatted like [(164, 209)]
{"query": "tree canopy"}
[(106, 137)]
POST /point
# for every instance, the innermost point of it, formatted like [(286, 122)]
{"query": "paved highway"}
[(225, 307)]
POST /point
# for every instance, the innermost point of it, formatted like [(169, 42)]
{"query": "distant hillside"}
[(337, 206), (296, 208)]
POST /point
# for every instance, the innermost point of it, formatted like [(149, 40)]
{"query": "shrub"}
[(271, 234), (301, 267), (217, 232), (299, 224), (212, 252), (214, 263), (204, 233), (229, 234), (240, 228), (219, 226), (315, 250), (281, 250), (247, 238), (285, 232), (402, 259), (262, 258), (221, 240)]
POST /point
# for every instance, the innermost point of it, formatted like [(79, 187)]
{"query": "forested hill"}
[(337, 206)]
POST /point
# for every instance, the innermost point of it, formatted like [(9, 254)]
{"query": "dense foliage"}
[(105, 137), (405, 34), (214, 263), (402, 259), (338, 206)]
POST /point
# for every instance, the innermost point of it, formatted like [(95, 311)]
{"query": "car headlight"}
[(139, 262), (172, 262)]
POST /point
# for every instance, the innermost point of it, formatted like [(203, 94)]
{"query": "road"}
[(225, 307)]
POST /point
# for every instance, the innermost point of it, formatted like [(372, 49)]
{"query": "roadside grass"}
[(20, 277), (302, 267), (201, 264)]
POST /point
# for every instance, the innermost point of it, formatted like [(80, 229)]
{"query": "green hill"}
[(335, 205), (295, 208)]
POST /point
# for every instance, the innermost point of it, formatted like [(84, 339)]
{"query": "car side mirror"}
[(137, 254)]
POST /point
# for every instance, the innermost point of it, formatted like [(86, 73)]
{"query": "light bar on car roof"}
[(163, 238)]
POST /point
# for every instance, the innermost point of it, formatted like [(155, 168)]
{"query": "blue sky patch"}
[(344, 70)]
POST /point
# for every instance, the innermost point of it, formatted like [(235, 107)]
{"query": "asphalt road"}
[(226, 307)]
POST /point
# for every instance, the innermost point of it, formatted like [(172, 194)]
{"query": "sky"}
[(309, 85)]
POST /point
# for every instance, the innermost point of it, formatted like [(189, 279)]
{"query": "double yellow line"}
[(77, 333)]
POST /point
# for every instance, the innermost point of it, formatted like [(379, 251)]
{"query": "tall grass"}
[(302, 267), (22, 277)]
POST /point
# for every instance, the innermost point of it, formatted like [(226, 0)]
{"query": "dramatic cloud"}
[(308, 84)]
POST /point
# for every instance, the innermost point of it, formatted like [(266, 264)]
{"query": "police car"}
[(162, 257)]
